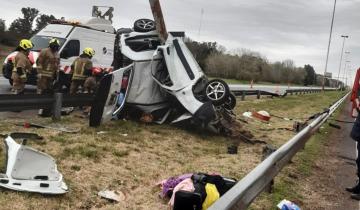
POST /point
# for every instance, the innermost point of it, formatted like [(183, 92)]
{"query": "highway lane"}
[(279, 89)]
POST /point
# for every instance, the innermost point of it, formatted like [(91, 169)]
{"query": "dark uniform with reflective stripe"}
[(81, 69)]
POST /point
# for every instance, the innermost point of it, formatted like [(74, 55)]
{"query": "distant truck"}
[(96, 33)]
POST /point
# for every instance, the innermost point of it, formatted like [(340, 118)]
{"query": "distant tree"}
[(22, 27), (310, 77), (42, 20), (2, 26), (202, 50)]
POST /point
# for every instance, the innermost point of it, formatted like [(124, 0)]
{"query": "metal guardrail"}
[(248, 188), (259, 93), (10, 102)]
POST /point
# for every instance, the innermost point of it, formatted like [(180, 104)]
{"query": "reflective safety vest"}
[(21, 61), (48, 62), (80, 65)]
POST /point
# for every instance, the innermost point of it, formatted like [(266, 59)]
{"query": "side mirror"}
[(64, 54)]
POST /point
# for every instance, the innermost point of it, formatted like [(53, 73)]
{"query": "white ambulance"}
[(96, 33)]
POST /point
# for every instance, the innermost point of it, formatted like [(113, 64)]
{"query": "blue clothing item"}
[(120, 98)]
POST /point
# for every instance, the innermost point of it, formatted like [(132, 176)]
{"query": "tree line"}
[(213, 58), (23, 27), (246, 65)]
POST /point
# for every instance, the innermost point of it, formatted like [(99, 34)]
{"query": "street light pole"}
[(345, 69), (341, 56), (328, 50), (346, 61)]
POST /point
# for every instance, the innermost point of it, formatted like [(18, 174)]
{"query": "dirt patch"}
[(335, 170)]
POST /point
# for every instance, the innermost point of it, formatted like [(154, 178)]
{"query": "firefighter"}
[(22, 65), (81, 69), (47, 66)]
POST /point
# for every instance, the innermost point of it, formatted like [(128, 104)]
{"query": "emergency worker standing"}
[(81, 69), (355, 133), (47, 66), (22, 65)]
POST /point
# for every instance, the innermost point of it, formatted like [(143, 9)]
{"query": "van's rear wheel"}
[(217, 91), (144, 25)]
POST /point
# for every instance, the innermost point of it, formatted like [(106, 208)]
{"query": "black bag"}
[(355, 131)]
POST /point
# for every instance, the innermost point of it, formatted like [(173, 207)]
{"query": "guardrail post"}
[(58, 98), (243, 94), (258, 93)]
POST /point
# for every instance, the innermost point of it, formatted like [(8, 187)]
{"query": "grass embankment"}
[(132, 157), (287, 184)]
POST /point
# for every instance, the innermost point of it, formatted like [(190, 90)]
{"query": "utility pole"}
[(159, 19), (341, 56), (328, 50)]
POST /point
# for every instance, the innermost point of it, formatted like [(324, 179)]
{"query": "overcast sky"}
[(277, 29)]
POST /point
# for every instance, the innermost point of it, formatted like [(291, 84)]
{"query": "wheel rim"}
[(215, 91), (146, 24)]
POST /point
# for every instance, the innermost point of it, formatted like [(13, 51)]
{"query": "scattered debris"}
[(232, 149), (298, 126), (147, 118), (58, 127), (280, 117), (112, 195), (262, 115), (195, 191), (16, 135), (247, 114), (67, 110), (287, 205), (101, 132), (30, 170)]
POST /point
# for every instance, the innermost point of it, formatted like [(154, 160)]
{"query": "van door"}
[(111, 95)]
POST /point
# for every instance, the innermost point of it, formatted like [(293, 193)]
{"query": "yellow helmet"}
[(54, 41), (25, 44), (89, 51)]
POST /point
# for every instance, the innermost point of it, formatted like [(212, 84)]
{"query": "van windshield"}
[(41, 42)]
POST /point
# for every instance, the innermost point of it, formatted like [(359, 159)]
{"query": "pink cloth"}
[(185, 185)]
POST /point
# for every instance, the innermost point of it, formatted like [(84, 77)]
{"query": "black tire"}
[(231, 102), (217, 91), (144, 25)]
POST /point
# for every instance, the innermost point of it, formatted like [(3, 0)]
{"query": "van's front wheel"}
[(217, 91)]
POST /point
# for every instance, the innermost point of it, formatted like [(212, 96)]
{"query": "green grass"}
[(131, 156)]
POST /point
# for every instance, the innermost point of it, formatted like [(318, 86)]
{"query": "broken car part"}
[(30, 170), (58, 128)]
